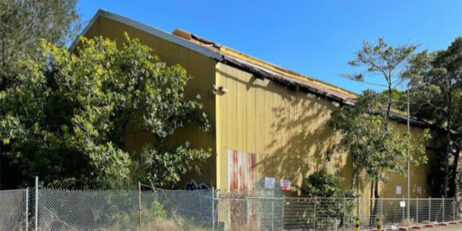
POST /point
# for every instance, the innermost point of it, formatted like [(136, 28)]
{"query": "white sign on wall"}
[(419, 190), (269, 182), (285, 185), (398, 190)]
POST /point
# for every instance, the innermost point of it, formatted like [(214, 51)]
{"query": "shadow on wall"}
[(300, 139)]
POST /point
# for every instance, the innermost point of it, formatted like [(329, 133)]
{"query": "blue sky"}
[(314, 38)]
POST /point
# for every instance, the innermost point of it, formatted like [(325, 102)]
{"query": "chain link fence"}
[(298, 213), (248, 213), (203, 210), (125, 210), (13, 209)]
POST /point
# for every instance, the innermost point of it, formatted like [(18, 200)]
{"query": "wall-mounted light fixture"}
[(219, 90)]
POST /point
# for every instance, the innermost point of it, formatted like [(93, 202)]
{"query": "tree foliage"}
[(436, 87), (23, 23), (372, 148), (66, 115), (322, 184), (325, 186), (384, 61)]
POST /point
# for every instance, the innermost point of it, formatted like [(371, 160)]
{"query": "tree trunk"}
[(453, 184), (353, 180), (448, 139), (387, 114), (371, 204), (376, 200)]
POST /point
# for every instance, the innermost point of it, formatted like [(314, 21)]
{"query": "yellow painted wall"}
[(285, 128), (202, 71), (288, 131)]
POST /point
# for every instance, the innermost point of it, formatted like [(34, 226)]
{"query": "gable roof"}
[(232, 57), (259, 68)]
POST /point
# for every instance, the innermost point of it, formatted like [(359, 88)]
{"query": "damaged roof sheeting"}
[(286, 77), (259, 68), (272, 72)]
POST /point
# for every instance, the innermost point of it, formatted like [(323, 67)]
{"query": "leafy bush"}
[(328, 198), (322, 184), (66, 115)]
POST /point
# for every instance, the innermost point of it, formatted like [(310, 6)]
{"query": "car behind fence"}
[(55, 209)]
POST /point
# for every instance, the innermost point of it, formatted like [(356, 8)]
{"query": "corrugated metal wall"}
[(202, 71), (288, 132)]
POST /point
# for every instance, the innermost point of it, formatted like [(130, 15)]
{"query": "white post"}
[(408, 162), (27, 209), (36, 204)]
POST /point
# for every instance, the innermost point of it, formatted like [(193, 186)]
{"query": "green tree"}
[(331, 203), (65, 116), (373, 149), (23, 23), (436, 84), (388, 63)]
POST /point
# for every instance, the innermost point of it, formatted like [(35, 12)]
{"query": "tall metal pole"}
[(408, 160)]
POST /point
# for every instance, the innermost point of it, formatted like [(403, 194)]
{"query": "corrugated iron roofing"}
[(255, 66), (270, 71)]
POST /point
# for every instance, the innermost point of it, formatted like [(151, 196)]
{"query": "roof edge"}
[(150, 30)]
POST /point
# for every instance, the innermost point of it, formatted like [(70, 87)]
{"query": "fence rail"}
[(204, 210)]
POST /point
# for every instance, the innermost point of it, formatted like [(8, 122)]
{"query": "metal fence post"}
[(443, 208), (453, 209), (381, 207), (36, 204), (213, 209), (314, 214), (272, 214), (404, 216), (27, 209), (344, 211), (283, 211), (139, 205), (430, 208), (417, 210)]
